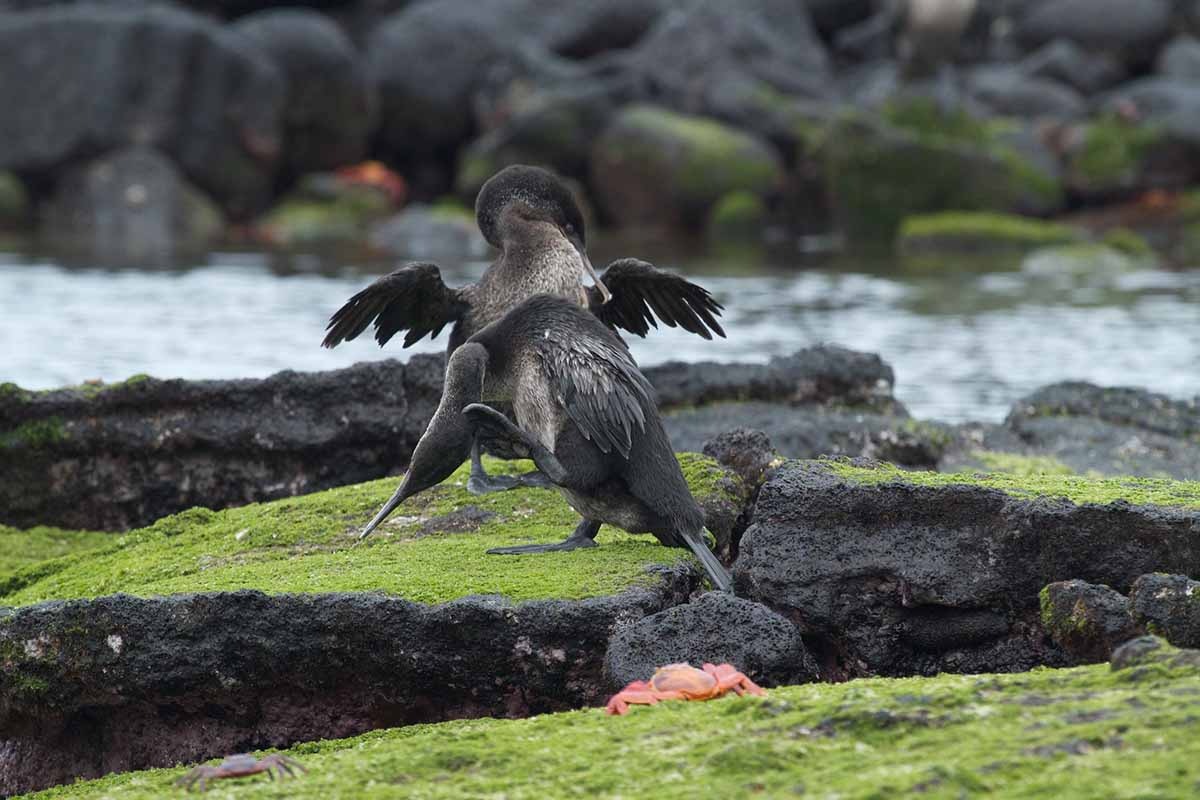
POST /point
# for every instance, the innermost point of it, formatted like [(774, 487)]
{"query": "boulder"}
[(1110, 156), (1142, 654), (717, 628), (1168, 606), (1170, 103), (1180, 59), (15, 208), (657, 166), (979, 233), (130, 207), (1009, 91), (83, 78), (322, 211), (746, 451), (1112, 430), (892, 572), (1065, 61), (1086, 620), (1097, 24), (328, 113), (430, 232)]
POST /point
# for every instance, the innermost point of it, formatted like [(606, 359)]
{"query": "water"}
[(964, 346)]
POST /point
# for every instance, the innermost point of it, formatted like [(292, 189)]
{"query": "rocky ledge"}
[(191, 638), (1095, 731), (914, 573)]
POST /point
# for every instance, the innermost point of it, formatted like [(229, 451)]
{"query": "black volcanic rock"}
[(1168, 606), (1086, 620)]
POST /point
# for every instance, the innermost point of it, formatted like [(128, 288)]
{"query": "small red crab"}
[(276, 765), (683, 682)]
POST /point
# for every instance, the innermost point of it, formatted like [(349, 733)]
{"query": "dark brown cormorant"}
[(584, 413), (529, 215)]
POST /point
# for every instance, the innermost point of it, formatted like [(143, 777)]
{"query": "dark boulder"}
[(893, 577), (715, 627), (83, 79), (1098, 24), (1086, 620), (329, 111), (119, 683), (1168, 606), (1147, 652), (1067, 62), (1009, 91), (427, 232), (1113, 430), (131, 207), (1172, 103), (746, 451)]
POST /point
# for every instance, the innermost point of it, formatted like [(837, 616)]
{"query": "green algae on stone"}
[(432, 548), (1071, 733), (739, 216), (20, 548), (1111, 154), (979, 232), (1075, 488), (35, 434), (1020, 465), (1129, 242)]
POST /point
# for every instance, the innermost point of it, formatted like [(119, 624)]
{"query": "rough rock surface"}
[(120, 683), (746, 451), (1097, 24), (1113, 430), (150, 75), (1086, 620), (120, 456), (897, 578), (1146, 651), (715, 627), (1168, 606)]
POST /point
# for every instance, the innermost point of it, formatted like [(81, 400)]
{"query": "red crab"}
[(683, 682), (276, 765)]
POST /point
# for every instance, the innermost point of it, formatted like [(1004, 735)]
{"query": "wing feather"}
[(641, 292), (413, 298)]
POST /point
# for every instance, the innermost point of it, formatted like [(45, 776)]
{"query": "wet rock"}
[(1148, 651), (876, 572), (324, 211), (1086, 620), (430, 232), (1097, 24), (718, 628), (1168, 606), (1172, 104), (1180, 59), (115, 457), (1067, 62), (1110, 156), (131, 207), (173, 80), (738, 217), (655, 166), (746, 451), (979, 234), (328, 113), (583, 30), (1009, 91), (1112, 430), (89, 687), (14, 202)]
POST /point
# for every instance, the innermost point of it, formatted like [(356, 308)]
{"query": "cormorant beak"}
[(587, 265), (401, 494)]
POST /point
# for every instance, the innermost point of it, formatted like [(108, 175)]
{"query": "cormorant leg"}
[(584, 535), (495, 425), (479, 482)]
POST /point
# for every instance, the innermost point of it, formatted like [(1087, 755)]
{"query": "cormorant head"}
[(446, 442), (519, 200)]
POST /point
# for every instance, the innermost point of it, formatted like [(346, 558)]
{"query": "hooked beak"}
[(399, 497), (587, 265)]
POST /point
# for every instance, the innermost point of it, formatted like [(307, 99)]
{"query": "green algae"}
[(22, 548), (36, 434), (432, 548), (1090, 490), (1020, 465), (1129, 242), (1072, 733), (1112, 152), (738, 216), (980, 231)]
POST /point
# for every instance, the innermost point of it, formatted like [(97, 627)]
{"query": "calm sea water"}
[(964, 345)]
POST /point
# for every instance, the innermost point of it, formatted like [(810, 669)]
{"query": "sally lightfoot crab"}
[(683, 682), (276, 765)]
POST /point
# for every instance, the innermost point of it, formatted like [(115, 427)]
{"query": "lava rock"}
[(1148, 651), (1067, 62), (1180, 59), (1086, 620), (1113, 430), (89, 78), (1168, 606), (119, 683), (328, 114), (718, 628), (859, 566), (428, 232), (131, 207), (15, 208), (746, 451), (1097, 24), (655, 165), (1171, 103), (1009, 91)]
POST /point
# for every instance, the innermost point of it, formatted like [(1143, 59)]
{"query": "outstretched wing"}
[(597, 383), (640, 291), (413, 299)]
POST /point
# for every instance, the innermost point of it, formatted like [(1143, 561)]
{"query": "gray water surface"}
[(964, 346)]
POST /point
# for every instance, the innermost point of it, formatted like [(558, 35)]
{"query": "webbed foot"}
[(482, 483), (584, 535)]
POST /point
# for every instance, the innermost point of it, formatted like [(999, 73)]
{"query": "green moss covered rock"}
[(1073, 733), (652, 166), (738, 217), (1111, 155), (322, 211), (979, 232)]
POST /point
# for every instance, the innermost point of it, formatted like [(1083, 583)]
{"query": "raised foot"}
[(572, 543), (482, 483)]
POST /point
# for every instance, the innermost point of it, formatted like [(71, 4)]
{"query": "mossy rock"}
[(321, 211), (880, 171), (979, 232), (1111, 156), (737, 218), (14, 203), (652, 166), (431, 550), (1071, 733), (1017, 464), (23, 548), (1083, 259)]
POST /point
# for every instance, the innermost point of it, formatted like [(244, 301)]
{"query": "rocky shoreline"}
[(750, 122)]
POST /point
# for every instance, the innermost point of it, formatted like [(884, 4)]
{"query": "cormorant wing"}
[(599, 386), (413, 298), (640, 291)]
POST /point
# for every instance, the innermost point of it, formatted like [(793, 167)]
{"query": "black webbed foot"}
[(479, 482), (584, 535)]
